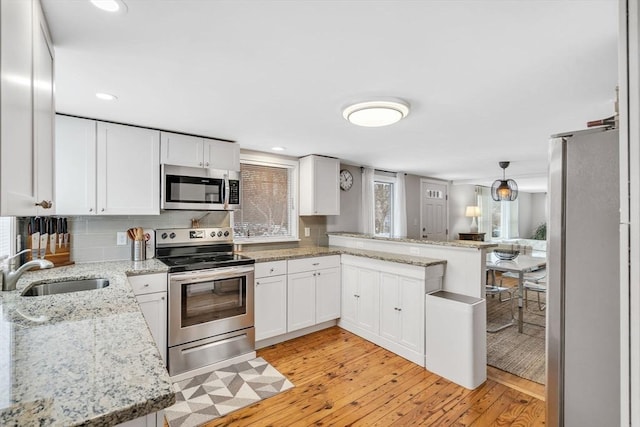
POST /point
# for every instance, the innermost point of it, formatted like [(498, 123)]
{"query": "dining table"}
[(520, 265)]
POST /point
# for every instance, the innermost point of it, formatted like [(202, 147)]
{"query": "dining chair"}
[(539, 287), (492, 289)]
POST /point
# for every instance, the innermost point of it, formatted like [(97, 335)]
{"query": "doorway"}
[(434, 209)]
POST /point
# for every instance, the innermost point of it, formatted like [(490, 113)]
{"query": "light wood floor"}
[(341, 379)]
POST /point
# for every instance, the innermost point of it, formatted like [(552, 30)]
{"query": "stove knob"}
[(164, 235), (172, 235), (226, 234), (213, 234), (219, 233)]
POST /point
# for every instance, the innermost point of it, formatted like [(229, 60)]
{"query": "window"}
[(383, 188), (498, 219), (269, 190)]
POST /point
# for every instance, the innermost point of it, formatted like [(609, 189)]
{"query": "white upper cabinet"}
[(75, 153), (128, 168), (106, 169), (319, 185), (26, 110), (193, 151)]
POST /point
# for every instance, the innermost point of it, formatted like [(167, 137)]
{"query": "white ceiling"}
[(486, 80)]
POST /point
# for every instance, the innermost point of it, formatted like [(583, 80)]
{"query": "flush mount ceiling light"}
[(278, 148), (504, 189), (106, 96), (376, 113), (110, 5)]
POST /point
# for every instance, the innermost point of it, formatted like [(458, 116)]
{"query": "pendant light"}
[(504, 189)]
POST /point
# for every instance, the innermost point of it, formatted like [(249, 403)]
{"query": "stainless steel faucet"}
[(10, 278)]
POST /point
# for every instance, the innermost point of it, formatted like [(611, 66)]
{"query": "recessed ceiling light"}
[(106, 96), (376, 113), (110, 5), (277, 148)]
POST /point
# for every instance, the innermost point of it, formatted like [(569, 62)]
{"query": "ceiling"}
[(486, 80)]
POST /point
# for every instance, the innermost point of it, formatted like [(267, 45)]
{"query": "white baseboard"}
[(295, 334)]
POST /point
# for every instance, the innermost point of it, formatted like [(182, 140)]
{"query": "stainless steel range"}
[(210, 297)]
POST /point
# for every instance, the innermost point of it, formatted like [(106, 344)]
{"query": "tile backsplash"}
[(94, 237)]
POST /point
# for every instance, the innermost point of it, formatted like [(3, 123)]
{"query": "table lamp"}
[(473, 212)]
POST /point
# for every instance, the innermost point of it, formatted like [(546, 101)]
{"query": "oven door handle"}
[(200, 276)]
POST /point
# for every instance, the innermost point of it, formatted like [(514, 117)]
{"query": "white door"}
[(411, 304), (271, 307), (128, 170), (221, 155), (390, 315), (181, 150), (154, 310), (327, 294), (433, 210), (350, 293), (75, 154), (301, 304), (368, 299)]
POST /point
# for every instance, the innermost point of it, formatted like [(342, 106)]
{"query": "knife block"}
[(60, 258)]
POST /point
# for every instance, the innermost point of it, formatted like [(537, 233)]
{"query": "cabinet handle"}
[(146, 285), (90, 209), (200, 163), (45, 204), (318, 273), (314, 274), (272, 270), (207, 164), (316, 263), (357, 296), (162, 298), (102, 210), (257, 283)]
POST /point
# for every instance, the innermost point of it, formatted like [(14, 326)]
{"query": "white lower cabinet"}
[(151, 293), (402, 310), (313, 291), (270, 306), (383, 302), (360, 297)]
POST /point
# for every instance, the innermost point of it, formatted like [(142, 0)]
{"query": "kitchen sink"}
[(63, 287)]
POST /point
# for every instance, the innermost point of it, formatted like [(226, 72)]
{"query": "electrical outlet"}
[(121, 238), (307, 232)]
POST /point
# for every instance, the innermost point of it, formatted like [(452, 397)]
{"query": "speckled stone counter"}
[(81, 358), (284, 254), (452, 243)]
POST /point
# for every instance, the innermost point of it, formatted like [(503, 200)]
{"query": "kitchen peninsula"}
[(82, 357), (465, 259)]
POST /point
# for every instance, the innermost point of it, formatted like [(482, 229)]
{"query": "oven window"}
[(215, 300)]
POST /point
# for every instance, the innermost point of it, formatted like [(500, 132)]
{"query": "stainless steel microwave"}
[(188, 188)]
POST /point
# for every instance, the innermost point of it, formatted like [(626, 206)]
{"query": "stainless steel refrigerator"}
[(583, 318)]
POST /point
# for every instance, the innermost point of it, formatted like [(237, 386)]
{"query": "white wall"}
[(525, 229), (460, 196), (350, 201), (412, 191)]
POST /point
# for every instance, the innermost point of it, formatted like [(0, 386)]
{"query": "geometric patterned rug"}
[(215, 394)]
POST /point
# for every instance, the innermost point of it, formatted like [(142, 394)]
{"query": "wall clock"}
[(346, 180)]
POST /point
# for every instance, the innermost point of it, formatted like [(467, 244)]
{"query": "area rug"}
[(215, 394), (521, 354)]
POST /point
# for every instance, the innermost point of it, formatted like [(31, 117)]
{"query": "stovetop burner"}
[(197, 249)]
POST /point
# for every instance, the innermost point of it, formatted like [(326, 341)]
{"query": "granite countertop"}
[(83, 357), (452, 243), (284, 254)]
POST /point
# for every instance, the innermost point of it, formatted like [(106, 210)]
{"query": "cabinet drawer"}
[(148, 283), (273, 268), (313, 263)]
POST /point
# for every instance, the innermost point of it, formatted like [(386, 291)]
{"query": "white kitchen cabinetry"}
[(384, 303), (270, 299), (313, 291), (402, 310), (106, 169), (319, 185), (151, 293), (360, 297), (26, 110), (185, 150)]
